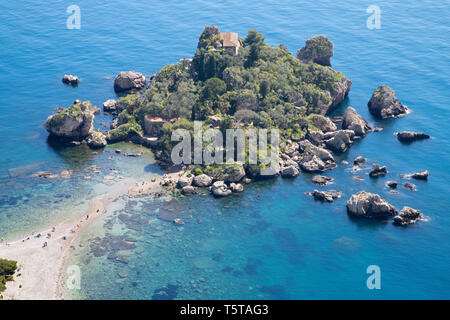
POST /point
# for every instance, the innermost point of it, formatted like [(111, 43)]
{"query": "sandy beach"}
[(42, 256)]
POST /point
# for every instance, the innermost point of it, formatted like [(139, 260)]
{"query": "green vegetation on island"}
[(7, 270)]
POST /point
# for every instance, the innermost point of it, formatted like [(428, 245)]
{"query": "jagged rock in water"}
[(418, 175), (353, 121), (328, 196), (129, 80), (202, 180), (377, 170), (384, 103), (96, 140), (359, 160), (408, 136), (318, 49), (71, 80), (322, 180), (315, 159), (369, 205), (392, 184), (407, 216)]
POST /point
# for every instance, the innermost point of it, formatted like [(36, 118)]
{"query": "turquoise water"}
[(272, 241)]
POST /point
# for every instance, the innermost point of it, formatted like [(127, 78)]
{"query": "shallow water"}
[(272, 241)]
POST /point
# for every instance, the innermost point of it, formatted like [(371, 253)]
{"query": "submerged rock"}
[(384, 103), (407, 216), (318, 49), (71, 80), (410, 186), (408, 136), (353, 121), (369, 205), (322, 180), (328, 196), (377, 170), (96, 140), (129, 80)]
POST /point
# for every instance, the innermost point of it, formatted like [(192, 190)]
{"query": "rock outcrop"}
[(322, 123), (353, 121), (418, 175), (408, 136), (318, 49), (369, 205), (96, 140), (71, 80), (377, 170), (407, 216), (315, 159), (74, 123), (384, 103), (129, 80), (328, 196), (185, 180)]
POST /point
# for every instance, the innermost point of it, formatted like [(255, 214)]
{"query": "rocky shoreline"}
[(314, 152)]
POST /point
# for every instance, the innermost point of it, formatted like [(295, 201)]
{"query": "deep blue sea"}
[(273, 241)]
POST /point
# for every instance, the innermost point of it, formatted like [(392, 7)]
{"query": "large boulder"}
[(384, 103), (418, 175), (96, 140), (407, 216), (185, 180), (369, 205), (321, 180), (341, 141), (129, 80), (289, 172), (220, 189), (74, 123), (318, 49), (188, 190), (236, 187), (202, 181), (408, 136), (353, 121)]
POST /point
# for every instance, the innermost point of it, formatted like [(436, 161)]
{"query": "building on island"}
[(230, 42)]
